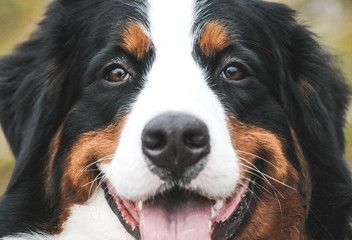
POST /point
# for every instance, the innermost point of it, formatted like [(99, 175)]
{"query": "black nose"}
[(175, 141)]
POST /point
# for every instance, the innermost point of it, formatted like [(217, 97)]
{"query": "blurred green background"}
[(331, 20)]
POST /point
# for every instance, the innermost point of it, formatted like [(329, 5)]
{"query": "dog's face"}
[(186, 116), (178, 120)]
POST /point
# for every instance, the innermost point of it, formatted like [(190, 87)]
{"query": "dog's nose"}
[(175, 141)]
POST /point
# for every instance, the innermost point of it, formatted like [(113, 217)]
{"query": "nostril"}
[(154, 140), (195, 139)]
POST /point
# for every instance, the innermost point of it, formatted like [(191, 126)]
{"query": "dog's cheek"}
[(280, 207), (80, 177), (260, 147)]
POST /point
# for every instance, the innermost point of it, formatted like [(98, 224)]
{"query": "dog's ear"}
[(314, 96), (318, 94), (35, 96)]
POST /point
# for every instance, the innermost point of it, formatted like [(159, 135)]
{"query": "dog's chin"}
[(182, 214)]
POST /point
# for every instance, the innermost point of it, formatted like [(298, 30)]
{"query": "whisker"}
[(268, 176), (256, 156), (252, 192), (96, 179), (93, 181), (258, 185), (251, 172), (256, 169), (282, 216), (109, 157), (100, 160), (265, 176), (274, 179)]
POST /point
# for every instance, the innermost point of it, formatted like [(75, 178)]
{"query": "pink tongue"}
[(179, 220)]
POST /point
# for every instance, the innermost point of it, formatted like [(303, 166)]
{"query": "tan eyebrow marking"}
[(213, 39), (135, 40)]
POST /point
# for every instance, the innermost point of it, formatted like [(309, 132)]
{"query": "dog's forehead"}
[(173, 28), (171, 35), (167, 26)]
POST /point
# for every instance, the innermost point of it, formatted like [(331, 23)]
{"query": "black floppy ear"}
[(29, 109), (34, 95), (314, 95), (318, 92), (23, 86)]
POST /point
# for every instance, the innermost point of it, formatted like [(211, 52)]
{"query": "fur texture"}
[(61, 114)]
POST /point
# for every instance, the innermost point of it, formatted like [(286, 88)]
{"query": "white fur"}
[(91, 221), (175, 83)]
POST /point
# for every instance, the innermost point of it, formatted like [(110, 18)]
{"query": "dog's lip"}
[(224, 213), (130, 211)]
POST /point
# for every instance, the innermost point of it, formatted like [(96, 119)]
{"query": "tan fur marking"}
[(79, 180), (135, 40), (214, 39), (279, 210)]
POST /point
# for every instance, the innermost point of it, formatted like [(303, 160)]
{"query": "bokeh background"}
[(331, 20)]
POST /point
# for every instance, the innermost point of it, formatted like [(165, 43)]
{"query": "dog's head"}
[(207, 119)]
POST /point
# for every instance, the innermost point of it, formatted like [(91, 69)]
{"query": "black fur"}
[(61, 67)]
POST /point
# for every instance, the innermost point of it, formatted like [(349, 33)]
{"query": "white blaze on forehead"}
[(174, 80), (171, 22), (174, 83)]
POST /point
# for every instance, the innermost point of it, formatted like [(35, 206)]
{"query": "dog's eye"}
[(233, 72), (117, 74)]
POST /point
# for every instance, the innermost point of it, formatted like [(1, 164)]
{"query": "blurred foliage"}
[(18, 18), (331, 20)]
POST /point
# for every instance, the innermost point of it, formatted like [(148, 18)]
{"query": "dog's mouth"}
[(181, 214)]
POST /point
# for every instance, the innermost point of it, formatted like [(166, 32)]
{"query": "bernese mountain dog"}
[(174, 120)]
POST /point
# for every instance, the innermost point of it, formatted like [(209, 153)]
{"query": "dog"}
[(174, 120)]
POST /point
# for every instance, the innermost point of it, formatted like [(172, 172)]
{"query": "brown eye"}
[(233, 73), (118, 75)]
